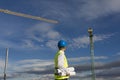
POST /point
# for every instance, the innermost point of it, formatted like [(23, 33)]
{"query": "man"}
[(61, 63)]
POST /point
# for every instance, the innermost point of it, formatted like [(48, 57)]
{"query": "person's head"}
[(62, 45)]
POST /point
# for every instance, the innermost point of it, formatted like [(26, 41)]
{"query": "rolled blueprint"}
[(70, 69)]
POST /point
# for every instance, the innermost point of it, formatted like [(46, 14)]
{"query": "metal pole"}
[(6, 62), (92, 53)]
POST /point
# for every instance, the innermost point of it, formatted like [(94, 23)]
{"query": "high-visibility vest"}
[(56, 65)]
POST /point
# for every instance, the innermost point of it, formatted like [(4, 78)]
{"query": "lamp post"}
[(90, 31), (6, 62)]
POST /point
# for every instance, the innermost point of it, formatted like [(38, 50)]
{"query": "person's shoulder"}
[(60, 51)]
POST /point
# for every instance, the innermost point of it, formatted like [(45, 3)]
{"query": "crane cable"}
[(28, 16)]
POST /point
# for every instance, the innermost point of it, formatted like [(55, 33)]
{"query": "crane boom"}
[(27, 16)]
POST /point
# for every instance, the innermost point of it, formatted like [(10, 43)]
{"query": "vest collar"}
[(61, 51)]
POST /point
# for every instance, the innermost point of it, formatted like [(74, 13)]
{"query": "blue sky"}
[(32, 44)]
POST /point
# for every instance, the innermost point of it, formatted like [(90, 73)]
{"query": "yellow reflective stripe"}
[(65, 62), (56, 59), (61, 77)]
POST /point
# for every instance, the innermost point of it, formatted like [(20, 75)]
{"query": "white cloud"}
[(95, 8), (6, 43), (36, 65), (53, 34), (20, 69), (118, 53), (32, 64), (79, 8), (36, 61), (81, 42), (2, 63), (79, 59), (43, 31), (117, 78), (47, 36), (52, 44), (101, 37), (36, 37), (28, 43)]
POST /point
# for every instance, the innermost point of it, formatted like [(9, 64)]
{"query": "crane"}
[(27, 16)]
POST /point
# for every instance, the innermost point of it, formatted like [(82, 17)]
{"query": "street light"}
[(6, 62), (90, 31)]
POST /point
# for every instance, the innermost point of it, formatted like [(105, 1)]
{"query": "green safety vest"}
[(56, 65)]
